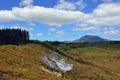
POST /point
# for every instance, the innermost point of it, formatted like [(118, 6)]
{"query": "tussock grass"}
[(24, 62), (102, 61)]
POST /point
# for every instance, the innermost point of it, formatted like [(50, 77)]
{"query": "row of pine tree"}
[(14, 36)]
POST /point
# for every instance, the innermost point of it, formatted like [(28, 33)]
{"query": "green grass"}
[(105, 60)]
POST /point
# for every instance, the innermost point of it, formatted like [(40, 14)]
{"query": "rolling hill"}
[(89, 63), (24, 63)]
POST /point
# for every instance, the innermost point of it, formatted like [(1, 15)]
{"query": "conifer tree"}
[(14, 36)]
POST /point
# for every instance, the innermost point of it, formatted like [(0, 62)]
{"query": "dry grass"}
[(103, 62), (23, 63)]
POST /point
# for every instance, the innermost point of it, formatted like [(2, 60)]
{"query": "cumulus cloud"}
[(82, 27), (105, 1), (62, 5), (81, 4), (107, 14), (108, 32), (57, 32), (6, 15), (31, 24), (111, 32), (67, 5), (40, 14), (26, 3)]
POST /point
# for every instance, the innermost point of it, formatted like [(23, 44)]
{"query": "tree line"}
[(14, 36)]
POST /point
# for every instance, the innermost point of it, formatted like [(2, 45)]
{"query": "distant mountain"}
[(90, 38)]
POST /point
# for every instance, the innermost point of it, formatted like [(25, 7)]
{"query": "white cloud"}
[(105, 1), (84, 27), (107, 14), (62, 4), (40, 14), (31, 24), (111, 32), (57, 32), (39, 34), (26, 3), (67, 5), (81, 4), (6, 15), (108, 32)]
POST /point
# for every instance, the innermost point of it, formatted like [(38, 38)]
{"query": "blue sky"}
[(62, 20)]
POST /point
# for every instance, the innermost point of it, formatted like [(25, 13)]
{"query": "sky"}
[(62, 20)]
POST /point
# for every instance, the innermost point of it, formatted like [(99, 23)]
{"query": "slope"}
[(89, 63), (24, 63), (96, 62)]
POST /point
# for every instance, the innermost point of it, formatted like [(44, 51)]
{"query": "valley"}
[(89, 63)]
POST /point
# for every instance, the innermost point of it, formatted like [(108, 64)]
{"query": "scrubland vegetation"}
[(90, 63), (93, 61), (24, 63)]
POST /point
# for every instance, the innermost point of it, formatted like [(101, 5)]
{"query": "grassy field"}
[(24, 63), (93, 61), (90, 63), (104, 64)]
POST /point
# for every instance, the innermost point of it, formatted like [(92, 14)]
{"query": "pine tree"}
[(14, 36)]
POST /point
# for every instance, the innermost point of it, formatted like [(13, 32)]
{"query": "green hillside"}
[(90, 63)]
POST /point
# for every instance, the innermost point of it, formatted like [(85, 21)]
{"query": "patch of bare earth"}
[(51, 72)]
